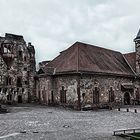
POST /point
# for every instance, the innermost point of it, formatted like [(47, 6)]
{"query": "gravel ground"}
[(48, 123)]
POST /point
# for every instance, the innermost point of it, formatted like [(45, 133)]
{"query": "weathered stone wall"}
[(17, 69), (43, 89), (46, 85), (70, 85), (104, 83)]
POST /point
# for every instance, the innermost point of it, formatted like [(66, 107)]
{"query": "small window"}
[(22, 90), (19, 81), (10, 80), (83, 95), (25, 69), (26, 82), (25, 59), (20, 53), (6, 81)]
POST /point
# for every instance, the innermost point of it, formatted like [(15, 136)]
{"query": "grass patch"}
[(133, 136)]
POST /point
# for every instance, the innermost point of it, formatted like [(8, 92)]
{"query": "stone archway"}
[(126, 98)]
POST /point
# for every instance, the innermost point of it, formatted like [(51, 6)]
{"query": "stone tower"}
[(17, 69), (137, 47)]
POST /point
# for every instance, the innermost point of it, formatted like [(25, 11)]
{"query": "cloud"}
[(53, 25)]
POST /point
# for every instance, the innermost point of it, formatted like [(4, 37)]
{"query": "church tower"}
[(137, 47)]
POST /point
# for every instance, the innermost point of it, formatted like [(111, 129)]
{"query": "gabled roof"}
[(131, 58), (81, 57)]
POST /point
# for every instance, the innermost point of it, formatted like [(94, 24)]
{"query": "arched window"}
[(63, 95), (96, 95), (111, 95)]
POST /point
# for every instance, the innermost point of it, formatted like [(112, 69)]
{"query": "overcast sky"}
[(53, 25)]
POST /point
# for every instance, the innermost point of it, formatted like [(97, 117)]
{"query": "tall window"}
[(111, 95), (63, 95), (20, 55), (8, 81), (96, 95), (19, 81)]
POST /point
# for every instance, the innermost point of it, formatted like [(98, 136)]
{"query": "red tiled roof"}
[(87, 58)]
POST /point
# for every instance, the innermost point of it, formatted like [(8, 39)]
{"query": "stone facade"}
[(79, 79), (17, 69), (49, 90), (82, 75)]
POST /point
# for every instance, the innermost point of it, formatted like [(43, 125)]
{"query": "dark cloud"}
[(53, 25)]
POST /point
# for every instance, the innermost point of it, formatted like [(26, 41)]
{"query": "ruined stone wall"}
[(16, 69), (43, 89)]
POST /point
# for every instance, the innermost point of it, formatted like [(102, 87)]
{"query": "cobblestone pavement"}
[(48, 123)]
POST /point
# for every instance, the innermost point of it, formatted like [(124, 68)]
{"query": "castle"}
[(82, 75)]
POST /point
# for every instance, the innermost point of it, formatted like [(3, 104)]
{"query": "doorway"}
[(126, 99), (19, 99)]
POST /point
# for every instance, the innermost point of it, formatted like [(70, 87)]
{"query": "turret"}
[(137, 47)]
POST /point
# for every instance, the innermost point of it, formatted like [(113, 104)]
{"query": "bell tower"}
[(137, 48)]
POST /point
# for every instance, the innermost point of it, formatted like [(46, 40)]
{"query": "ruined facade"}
[(17, 69), (82, 75), (88, 75)]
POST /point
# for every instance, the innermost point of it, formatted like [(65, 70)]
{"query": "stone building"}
[(88, 75), (17, 69)]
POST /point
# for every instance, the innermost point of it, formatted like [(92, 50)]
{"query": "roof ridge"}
[(129, 53), (100, 47)]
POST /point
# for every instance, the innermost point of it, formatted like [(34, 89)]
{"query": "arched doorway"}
[(126, 98)]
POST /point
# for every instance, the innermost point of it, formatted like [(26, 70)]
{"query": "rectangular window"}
[(19, 82), (26, 83), (25, 69)]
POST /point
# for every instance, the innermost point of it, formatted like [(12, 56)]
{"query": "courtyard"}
[(34, 122)]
